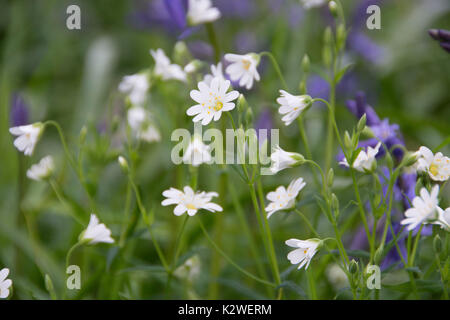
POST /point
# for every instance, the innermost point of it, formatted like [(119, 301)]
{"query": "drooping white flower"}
[(365, 161), (197, 152), (281, 159), (27, 137), (165, 69), (136, 87), (41, 170), (308, 4), (201, 11), (243, 68), (306, 249), (216, 72), (436, 165), (96, 232), (424, 210), (5, 284), (141, 124), (443, 218), (282, 198), (292, 106), (190, 202), (212, 100)]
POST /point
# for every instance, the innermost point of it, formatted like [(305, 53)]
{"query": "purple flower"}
[(264, 121), (19, 111), (392, 256), (317, 87), (362, 45), (443, 36), (359, 107)]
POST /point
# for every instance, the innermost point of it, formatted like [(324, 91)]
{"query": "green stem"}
[(276, 67), (213, 40), (304, 138), (68, 256), (226, 257)]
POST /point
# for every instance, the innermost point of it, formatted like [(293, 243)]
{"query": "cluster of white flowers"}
[(282, 198), (141, 124), (365, 161), (136, 87), (165, 69), (190, 201)]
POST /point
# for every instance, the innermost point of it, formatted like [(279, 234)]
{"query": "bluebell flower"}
[(442, 36), (19, 115), (318, 87)]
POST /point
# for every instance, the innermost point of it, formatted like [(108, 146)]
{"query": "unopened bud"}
[(353, 267), (347, 140), (83, 133), (123, 164), (330, 177), (361, 123), (305, 64), (333, 8), (437, 244), (242, 104), (378, 254)]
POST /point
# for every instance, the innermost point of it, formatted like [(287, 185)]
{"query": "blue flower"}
[(19, 111)]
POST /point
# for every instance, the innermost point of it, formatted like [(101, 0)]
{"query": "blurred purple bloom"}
[(360, 15), (235, 8), (264, 121), (200, 50), (19, 111), (245, 42), (364, 46), (392, 256), (317, 87), (443, 36), (407, 183), (359, 107)]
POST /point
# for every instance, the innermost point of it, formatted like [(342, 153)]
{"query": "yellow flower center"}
[(434, 169), (190, 206), (218, 106), (246, 64), (305, 251)]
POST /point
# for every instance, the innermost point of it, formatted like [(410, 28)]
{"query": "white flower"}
[(197, 153), (201, 11), (140, 122), (5, 284), (243, 67), (305, 252), (190, 269), (436, 165), (136, 87), (28, 137), (443, 218), (282, 159), (424, 209), (282, 199), (190, 201), (96, 232), (42, 170), (336, 276), (308, 4), (365, 161), (213, 99), (165, 69), (216, 72), (292, 106)]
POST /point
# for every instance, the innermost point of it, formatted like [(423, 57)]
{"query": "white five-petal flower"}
[(292, 106), (165, 69), (282, 198), (141, 124), (424, 210), (201, 11), (5, 284), (365, 161), (190, 201), (197, 152), (243, 68), (443, 218), (27, 137), (136, 87), (306, 249), (212, 100), (216, 72), (96, 232), (436, 165), (281, 159), (41, 170)]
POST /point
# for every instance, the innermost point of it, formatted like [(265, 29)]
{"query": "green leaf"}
[(293, 287)]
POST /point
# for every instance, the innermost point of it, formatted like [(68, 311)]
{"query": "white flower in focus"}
[(365, 161), (197, 153), (190, 202), (292, 106), (281, 159), (27, 137), (42, 170), (140, 122), (165, 69), (243, 68), (436, 165), (96, 232), (306, 249), (443, 218), (308, 4), (201, 11), (424, 210), (282, 198), (212, 100), (136, 87), (5, 284), (216, 72)]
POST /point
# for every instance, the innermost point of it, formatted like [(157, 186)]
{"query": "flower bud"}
[(305, 64), (242, 104), (361, 123), (83, 133), (347, 140), (409, 159), (248, 117), (333, 8), (437, 244), (353, 267), (181, 53), (389, 161), (123, 164), (379, 254), (330, 177), (341, 34)]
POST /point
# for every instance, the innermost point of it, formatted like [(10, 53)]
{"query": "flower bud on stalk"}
[(327, 48), (330, 178), (333, 8), (361, 123), (123, 164), (353, 267)]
